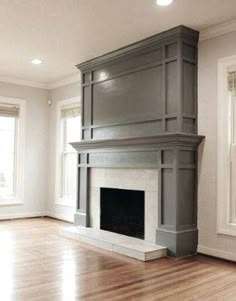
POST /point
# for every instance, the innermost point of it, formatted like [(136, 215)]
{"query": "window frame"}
[(18, 198), (225, 204), (61, 105)]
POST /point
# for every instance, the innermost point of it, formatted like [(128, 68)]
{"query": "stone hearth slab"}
[(125, 245)]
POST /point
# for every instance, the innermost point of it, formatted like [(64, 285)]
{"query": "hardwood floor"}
[(37, 264)]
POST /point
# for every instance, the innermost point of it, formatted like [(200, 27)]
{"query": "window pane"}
[(7, 143), (70, 133), (69, 175), (233, 119), (7, 155), (73, 127), (7, 123)]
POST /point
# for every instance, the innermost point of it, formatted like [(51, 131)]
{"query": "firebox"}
[(123, 211)]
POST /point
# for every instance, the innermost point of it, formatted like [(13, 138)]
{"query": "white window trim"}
[(224, 223), (20, 155), (68, 103)]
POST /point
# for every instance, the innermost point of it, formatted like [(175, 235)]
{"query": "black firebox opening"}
[(123, 211)]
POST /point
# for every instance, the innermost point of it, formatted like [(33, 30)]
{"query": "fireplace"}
[(144, 181), (139, 115), (122, 211)]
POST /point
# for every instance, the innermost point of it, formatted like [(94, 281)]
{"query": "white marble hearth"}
[(129, 246)]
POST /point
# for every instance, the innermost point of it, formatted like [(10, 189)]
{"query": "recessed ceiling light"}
[(36, 61), (164, 2)]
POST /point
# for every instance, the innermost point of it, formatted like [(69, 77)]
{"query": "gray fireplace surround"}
[(139, 110)]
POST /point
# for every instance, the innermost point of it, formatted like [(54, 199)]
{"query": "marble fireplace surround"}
[(133, 179)]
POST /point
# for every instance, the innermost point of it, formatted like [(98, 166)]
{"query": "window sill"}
[(227, 229), (66, 203), (10, 202)]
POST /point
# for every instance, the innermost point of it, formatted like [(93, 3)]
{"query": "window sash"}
[(68, 155), (71, 177), (70, 112), (233, 158), (14, 162), (232, 82)]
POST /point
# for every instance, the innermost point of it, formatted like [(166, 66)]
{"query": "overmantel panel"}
[(144, 89)]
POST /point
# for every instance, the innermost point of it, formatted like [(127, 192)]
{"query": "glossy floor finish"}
[(37, 264)]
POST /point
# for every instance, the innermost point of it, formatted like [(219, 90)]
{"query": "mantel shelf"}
[(157, 140)]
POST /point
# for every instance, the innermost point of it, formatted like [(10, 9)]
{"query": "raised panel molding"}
[(152, 81)]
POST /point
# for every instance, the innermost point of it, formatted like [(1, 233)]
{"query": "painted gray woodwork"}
[(175, 157), (147, 88), (139, 110)]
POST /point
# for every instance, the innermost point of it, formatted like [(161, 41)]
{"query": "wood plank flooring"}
[(37, 264)]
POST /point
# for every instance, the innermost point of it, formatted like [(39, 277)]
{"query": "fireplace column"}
[(177, 201), (81, 217)]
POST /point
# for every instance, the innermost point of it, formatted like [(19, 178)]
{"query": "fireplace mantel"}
[(139, 110), (174, 156)]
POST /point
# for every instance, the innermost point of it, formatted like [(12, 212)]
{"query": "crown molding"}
[(66, 81), (22, 82), (138, 47), (47, 86), (205, 34), (217, 30)]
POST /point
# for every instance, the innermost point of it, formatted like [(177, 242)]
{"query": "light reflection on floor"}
[(68, 280), (6, 265), (29, 259)]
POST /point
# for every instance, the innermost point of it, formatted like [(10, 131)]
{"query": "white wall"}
[(209, 53), (36, 149), (59, 94), (40, 148)]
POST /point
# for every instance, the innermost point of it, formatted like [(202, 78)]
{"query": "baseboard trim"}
[(60, 217), (22, 215), (35, 214), (217, 253)]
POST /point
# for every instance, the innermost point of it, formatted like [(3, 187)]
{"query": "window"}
[(11, 142), (70, 131), (232, 106), (226, 147)]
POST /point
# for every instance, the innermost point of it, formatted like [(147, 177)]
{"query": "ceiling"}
[(64, 33)]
